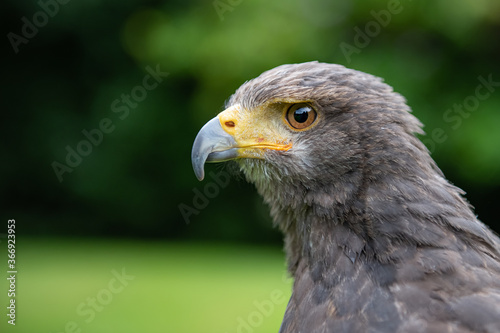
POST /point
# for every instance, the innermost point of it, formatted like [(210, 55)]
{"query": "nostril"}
[(229, 123)]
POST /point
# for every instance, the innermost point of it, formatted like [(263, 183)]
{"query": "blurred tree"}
[(66, 78)]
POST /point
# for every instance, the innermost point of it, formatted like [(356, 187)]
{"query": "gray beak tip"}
[(212, 144), (198, 166)]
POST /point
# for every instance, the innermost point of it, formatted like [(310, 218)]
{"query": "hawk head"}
[(309, 135), (376, 237)]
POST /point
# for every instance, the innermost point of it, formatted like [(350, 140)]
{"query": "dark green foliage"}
[(66, 78)]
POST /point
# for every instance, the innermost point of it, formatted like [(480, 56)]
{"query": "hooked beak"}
[(212, 144), (234, 134)]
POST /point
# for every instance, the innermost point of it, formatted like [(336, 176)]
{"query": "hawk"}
[(376, 238)]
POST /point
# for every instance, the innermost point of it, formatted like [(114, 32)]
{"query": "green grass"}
[(175, 287)]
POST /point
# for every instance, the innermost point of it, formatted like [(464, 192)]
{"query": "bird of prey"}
[(377, 240)]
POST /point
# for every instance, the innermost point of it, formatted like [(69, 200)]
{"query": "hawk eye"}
[(300, 115)]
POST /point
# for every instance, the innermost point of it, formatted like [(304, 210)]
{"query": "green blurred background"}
[(221, 269)]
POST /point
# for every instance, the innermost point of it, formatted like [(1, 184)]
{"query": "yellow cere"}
[(256, 130)]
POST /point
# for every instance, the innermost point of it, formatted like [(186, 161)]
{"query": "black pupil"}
[(301, 114)]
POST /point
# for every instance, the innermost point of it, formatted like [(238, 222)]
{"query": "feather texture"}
[(376, 238)]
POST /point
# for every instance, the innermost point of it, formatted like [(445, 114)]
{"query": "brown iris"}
[(300, 116)]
